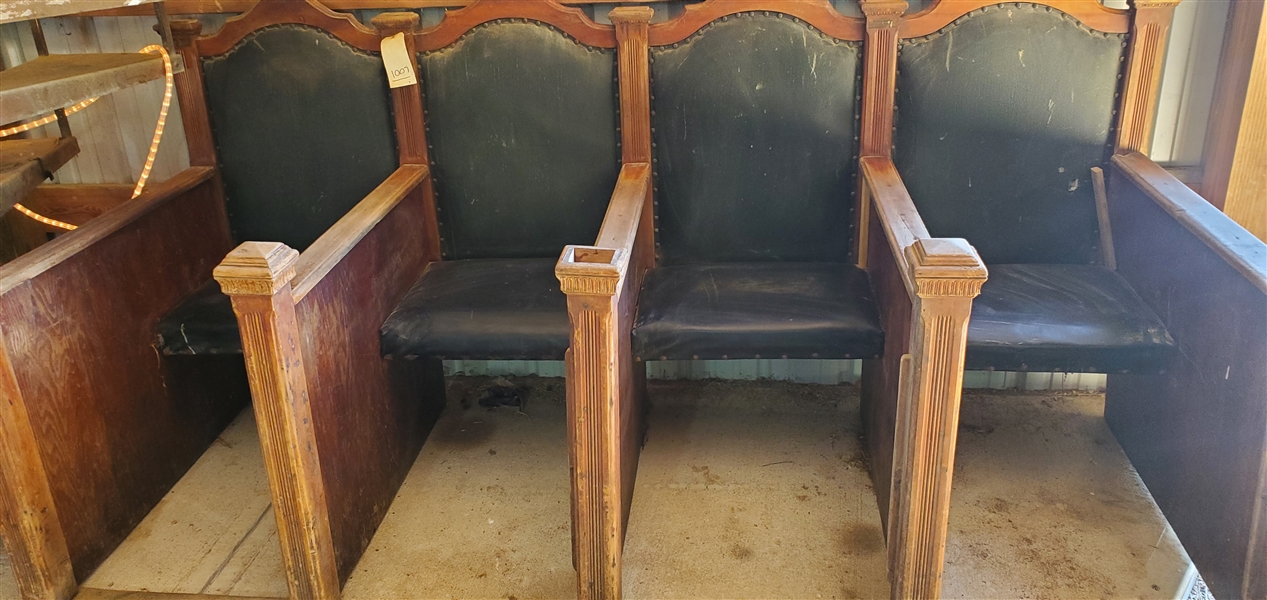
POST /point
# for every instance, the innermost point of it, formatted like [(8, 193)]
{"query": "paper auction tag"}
[(400, 66)]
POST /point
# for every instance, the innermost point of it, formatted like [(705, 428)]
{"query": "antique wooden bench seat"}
[(302, 123), (1006, 117), (512, 143), (204, 323), (1001, 115), (734, 233), (754, 123), (755, 310), (525, 150), (1070, 318), (499, 309)]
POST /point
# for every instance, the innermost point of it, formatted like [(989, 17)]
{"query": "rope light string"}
[(149, 159), (45, 120)]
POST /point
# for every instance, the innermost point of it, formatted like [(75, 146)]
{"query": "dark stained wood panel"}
[(117, 423), (880, 377), (1197, 434), (370, 415)]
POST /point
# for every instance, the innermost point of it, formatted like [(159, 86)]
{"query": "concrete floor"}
[(745, 490)]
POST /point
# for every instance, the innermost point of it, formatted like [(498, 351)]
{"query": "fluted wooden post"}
[(191, 95), (878, 90), (597, 528), (411, 127), (948, 274), (257, 275), (28, 519), (406, 101), (632, 52), (1149, 27)]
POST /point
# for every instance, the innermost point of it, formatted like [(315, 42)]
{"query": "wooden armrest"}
[(586, 269), (322, 256), (1242, 251), (49, 255), (917, 254)]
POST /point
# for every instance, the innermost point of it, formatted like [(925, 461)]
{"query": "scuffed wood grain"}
[(117, 424)]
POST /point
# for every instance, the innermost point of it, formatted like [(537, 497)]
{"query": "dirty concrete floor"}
[(745, 489), (753, 490), (1046, 505)]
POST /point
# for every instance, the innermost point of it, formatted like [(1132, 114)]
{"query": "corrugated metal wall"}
[(114, 137)]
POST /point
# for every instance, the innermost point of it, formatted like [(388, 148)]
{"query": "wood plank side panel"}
[(1196, 434), (29, 524), (118, 425), (1246, 197), (880, 377), (632, 375), (1231, 88), (370, 415)]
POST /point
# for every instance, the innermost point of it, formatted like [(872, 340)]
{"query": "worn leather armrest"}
[(322, 256), (916, 253), (604, 268), (1233, 243)]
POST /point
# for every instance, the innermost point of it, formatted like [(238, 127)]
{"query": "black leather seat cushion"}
[(757, 310), (202, 324), (1073, 318), (481, 309)]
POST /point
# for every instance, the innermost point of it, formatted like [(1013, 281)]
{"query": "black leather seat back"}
[(304, 130), (755, 118), (523, 126), (1000, 117)]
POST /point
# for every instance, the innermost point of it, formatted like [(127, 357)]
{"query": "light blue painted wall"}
[(828, 372)]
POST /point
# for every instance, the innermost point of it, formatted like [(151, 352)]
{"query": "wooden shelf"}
[(25, 10), (38, 87), (25, 164)]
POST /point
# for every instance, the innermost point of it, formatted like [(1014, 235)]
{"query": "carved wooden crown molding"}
[(256, 269), (631, 14), (883, 14), (391, 23), (183, 31), (945, 267), (588, 285)]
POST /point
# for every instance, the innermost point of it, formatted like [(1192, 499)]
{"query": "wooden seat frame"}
[(290, 367), (925, 286), (1175, 440), (911, 395)]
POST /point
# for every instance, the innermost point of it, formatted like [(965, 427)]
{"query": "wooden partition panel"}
[(339, 425), (912, 400), (881, 378), (1197, 434), (116, 424), (370, 415)]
